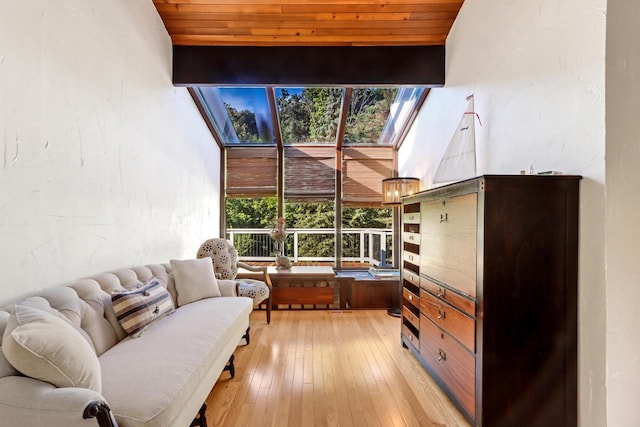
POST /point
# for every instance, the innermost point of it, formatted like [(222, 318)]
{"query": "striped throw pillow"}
[(138, 308)]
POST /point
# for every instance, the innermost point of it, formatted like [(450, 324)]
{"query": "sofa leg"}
[(230, 367), (201, 418), (246, 335), (101, 412)]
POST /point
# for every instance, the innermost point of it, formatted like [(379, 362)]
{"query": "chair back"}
[(224, 257)]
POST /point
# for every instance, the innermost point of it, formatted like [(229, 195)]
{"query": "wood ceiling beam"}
[(202, 23), (309, 65), (292, 41), (370, 3)]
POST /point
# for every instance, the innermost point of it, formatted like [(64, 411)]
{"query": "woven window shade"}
[(363, 169), (252, 172), (309, 174)]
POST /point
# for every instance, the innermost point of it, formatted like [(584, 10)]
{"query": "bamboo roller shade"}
[(309, 173), (252, 172), (363, 169)]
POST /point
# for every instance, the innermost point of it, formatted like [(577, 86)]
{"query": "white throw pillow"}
[(42, 346), (194, 280)]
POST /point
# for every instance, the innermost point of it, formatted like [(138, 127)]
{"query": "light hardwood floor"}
[(328, 368)]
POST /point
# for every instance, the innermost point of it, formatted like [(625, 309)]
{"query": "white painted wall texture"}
[(623, 213), (103, 163), (537, 71)]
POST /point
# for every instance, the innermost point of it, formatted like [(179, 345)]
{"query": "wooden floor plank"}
[(328, 368)]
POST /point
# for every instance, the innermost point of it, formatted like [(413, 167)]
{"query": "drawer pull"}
[(442, 356), (410, 337), (441, 314), (444, 218), (410, 257), (410, 297), (441, 292)]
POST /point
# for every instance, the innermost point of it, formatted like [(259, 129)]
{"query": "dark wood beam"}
[(273, 108), (342, 120), (223, 162), (205, 116), (309, 65)]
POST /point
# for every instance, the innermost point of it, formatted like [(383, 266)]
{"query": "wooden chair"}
[(224, 257)]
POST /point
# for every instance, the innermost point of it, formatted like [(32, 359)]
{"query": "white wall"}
[(103, 164), (537, 72), (623, 211)]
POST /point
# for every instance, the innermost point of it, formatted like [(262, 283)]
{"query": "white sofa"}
[(161, 378)]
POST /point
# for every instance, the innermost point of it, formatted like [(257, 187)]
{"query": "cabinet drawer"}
[(413, 339), (411, 298), (411, 257), (411, 218), (448, 241), (455, 366), (459, 325), (462, 303), (412, 318), (412, 277), (411, 237)]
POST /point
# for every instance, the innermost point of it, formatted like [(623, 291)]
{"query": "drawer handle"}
[(441, 292), (411, 237), (410, 337), (442, 356), (411, 257), (441, 314), (410, 297), (444, 218)]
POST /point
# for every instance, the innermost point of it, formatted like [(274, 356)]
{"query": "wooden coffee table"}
[(303, 287)]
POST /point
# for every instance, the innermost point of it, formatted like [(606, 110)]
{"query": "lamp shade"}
[(395, 188)]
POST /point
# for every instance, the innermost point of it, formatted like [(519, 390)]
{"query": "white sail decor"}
[(459, 161)]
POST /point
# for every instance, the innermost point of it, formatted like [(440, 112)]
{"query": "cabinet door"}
[(448, 241)]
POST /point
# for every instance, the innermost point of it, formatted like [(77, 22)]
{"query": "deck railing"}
[(364, 245)]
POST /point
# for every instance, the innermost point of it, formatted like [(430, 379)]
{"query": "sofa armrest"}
[(27, 401), (228, 288)]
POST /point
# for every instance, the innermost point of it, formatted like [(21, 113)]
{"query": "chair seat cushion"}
[(255, 289)]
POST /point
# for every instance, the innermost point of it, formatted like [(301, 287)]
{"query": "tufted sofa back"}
[(223, 255), (86, 305)]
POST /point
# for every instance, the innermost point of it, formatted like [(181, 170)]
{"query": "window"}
[(366, 232), (290, 136), (308, 115)]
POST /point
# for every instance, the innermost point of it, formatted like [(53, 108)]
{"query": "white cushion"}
[(194, 280), (43, 346)]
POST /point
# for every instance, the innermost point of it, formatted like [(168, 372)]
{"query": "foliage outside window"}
[(309, 115), (312, 216), (258, 213), (370, 218), (368, 114)]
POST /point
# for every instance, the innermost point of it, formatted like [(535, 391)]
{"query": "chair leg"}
[(246, 335), (231, 367), (269, 309)]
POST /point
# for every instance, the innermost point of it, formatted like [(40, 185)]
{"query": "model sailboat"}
[(459, 160)]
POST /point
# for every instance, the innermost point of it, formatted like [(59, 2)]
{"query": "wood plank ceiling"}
[(308, 23)]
